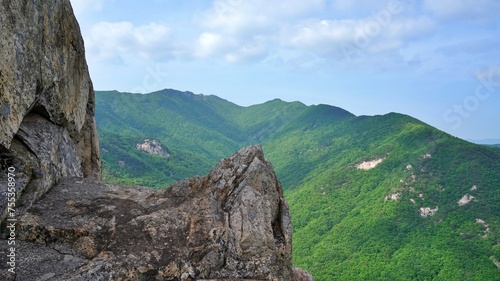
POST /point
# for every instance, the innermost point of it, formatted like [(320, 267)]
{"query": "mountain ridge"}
[(208, 117)]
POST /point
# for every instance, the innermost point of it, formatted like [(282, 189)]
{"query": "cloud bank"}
[(337, 33)]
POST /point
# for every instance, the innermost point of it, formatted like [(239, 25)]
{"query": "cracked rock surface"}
[(232, 224)]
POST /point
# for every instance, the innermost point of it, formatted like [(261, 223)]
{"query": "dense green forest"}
[(372, 197)]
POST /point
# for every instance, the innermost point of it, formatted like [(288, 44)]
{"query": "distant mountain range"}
[(372, 197), (494, 142)]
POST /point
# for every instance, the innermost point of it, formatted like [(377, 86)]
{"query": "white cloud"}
[(210, 44), (237, 30), (362, 33), (340, 38), (411, 27), (358, 5), (480, 11), (113, 41), (231, 49), (320, 36), (254, 50), (236, 16)]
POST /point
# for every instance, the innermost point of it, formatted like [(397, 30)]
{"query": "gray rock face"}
[(153, 147), (42, 154), (232, 224), (43, 70), (47, 127)]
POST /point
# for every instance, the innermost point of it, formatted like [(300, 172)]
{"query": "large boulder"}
[(231, 224), (46, 99)]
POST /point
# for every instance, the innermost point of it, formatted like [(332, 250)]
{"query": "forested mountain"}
[(372, 197), (197, 130)]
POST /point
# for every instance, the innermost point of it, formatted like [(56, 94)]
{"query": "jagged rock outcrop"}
[(153, 147), (46, 99), (231, 224)]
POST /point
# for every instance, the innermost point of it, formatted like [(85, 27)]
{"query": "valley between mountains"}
[(371, 197)]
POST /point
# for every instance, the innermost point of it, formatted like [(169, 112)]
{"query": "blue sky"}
[(438, 61)]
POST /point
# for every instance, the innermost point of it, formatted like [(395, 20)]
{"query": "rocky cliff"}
[(46, 99)]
